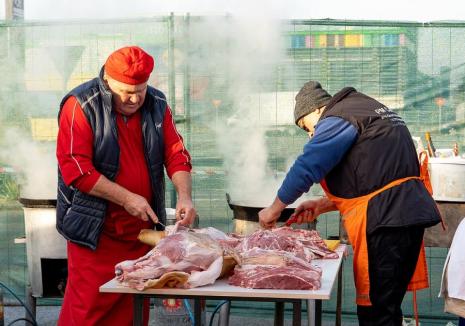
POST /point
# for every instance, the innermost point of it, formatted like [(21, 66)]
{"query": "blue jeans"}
[(461, 321)]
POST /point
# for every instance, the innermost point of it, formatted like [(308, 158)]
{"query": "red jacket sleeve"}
[(177, 157), (75, 147)]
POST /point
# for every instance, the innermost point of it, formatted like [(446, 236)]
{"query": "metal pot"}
[(38, 203), (248, 211), (246, 216)]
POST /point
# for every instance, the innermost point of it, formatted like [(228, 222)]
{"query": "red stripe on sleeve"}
[(177, 158), (74, 147)]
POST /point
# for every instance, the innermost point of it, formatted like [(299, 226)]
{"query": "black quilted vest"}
[(383, 152), (80, 217)]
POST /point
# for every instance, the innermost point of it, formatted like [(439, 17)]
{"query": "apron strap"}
[(424, 176)]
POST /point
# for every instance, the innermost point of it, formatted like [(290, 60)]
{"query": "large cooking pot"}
[(248, 210), (38, 203)]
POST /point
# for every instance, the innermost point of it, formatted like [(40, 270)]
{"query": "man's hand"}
[(309, 210), (267, 217), (185, 212), (134, 204), (138, 206)]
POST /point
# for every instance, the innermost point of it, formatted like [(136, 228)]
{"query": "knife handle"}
[(291, 220)]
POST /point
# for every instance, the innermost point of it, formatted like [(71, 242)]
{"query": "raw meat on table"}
[(305, 244), (311, 239), (275, 269), (194, 253)]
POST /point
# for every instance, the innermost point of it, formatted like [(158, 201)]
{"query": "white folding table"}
[(221, 290)]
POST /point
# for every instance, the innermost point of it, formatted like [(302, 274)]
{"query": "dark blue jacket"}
[(80, 216)]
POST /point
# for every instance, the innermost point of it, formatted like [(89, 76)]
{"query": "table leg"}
[(223, 319), (197, 312), (339, 298), (297, 313), (311, 312), (279, 314), (138, 304), (317, 312)]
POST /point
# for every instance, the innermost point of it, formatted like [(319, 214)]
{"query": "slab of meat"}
[(311, 239), (275, 269), (275, 277), (258, 256), (226, 241), (194, 253), (267, 239)]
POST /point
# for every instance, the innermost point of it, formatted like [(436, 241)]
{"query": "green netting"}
[(231, 84)]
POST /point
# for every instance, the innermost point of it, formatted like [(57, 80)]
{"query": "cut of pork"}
[(267, 239), (311, 239), (194, 253), (275, 277), (275, 269), (258, 256)]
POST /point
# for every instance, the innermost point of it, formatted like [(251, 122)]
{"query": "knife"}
[(161, 224), (291, 220), (294, 217)]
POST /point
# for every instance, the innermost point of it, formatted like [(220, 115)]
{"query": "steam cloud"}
[(248, 51), (35, 163)]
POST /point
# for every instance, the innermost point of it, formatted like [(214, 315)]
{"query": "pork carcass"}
[(196, 254)]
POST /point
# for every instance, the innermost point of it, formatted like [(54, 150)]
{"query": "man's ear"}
[(105, 80)]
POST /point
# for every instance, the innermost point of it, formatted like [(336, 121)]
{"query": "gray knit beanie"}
[(310, 98)]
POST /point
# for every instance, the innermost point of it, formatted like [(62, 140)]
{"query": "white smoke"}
[(248, 50), (34, 162)]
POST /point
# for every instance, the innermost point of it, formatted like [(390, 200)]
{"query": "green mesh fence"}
[(231, 84)]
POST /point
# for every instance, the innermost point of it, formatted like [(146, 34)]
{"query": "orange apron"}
[(354, 218)]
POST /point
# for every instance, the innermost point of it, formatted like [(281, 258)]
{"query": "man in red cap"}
[(116, 135)]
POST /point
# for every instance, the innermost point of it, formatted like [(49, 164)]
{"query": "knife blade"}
[(160, 223), (291, 220)]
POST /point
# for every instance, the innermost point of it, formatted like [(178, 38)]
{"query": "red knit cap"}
[(129, 65)]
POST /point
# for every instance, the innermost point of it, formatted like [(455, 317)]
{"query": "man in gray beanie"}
[(363, 156), (310, 98)]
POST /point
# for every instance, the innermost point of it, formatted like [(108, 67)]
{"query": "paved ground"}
[(47, 316)]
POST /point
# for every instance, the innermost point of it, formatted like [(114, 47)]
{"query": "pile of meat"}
[(280, 259), (267, 259), (275, 269), (197, 255)]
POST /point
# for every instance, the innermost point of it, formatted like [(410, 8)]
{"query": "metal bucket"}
[(170, 311)]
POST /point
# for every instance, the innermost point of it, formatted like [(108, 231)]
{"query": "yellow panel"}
[(353, 40), (332, 244), (323, 41), (44, 129)]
